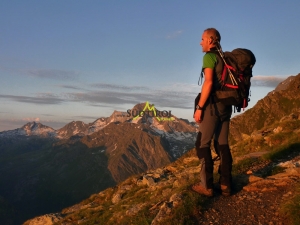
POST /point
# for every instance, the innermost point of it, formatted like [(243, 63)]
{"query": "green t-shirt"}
[(209, 60)]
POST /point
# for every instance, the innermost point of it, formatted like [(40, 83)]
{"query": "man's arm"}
[(205, 93)]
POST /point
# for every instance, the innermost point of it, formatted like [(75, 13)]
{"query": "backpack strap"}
[(200, 77)]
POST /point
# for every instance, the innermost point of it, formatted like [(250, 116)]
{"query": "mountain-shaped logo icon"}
[(152, 112)]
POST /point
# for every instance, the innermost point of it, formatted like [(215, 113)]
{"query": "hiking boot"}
[(226, 191), (202, 191)]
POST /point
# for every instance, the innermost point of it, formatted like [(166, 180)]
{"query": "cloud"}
[(53, 74), (107, 97), (29, 119), (174, 34), (34, 100), (71, 87), (44, 114), (119, 87), (171, 95), (267, 81), (100, 105), (86, 117), (182, 97)]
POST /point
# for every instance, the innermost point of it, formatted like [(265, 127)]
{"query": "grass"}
[(291, 208), (250, 145), (243, 165), (143, 217), (188, 212), (275, 170), (272, 142), (282, 151)]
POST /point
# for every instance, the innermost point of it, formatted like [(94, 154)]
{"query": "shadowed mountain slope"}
[(130, 148)]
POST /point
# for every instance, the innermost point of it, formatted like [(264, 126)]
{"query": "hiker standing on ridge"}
[(213, 118)]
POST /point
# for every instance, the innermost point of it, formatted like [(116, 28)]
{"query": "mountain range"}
[(52, 169)]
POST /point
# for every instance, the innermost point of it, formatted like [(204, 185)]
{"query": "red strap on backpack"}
[(226, 67)]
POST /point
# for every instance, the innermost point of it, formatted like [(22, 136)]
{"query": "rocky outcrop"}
[(78, 128), (272, 183), (166, 208), (48, 219)]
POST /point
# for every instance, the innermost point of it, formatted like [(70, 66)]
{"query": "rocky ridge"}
[(283, 101), (30, 129)]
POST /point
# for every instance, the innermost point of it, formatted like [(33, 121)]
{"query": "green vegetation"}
[(243, 165), (282, 151), (291, 208), (250, 145), (266, 140), (188, 212), (286, 104), (275, 170)]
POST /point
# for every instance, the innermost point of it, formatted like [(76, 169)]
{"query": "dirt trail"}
[(255, 200), (247, 208)]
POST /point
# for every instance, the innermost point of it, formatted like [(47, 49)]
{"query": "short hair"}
[(214, 33)]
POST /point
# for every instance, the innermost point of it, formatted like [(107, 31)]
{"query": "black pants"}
[(215, 124)]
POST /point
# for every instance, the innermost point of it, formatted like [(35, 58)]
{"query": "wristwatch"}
[(199, 107)]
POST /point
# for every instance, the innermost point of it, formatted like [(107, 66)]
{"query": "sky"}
[(68, 60)]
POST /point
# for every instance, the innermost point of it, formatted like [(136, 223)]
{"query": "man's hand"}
[(198, 116), (205, 93)]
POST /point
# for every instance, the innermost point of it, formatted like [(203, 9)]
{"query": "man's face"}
[(205, 42)]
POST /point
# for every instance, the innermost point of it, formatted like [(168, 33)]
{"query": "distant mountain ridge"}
[(79, 128), (178, 132), (41, 165), (29, 129)]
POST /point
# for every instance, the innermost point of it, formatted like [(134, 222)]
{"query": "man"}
[(213, 118)]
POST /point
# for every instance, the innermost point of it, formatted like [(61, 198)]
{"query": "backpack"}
[(235, 78)]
